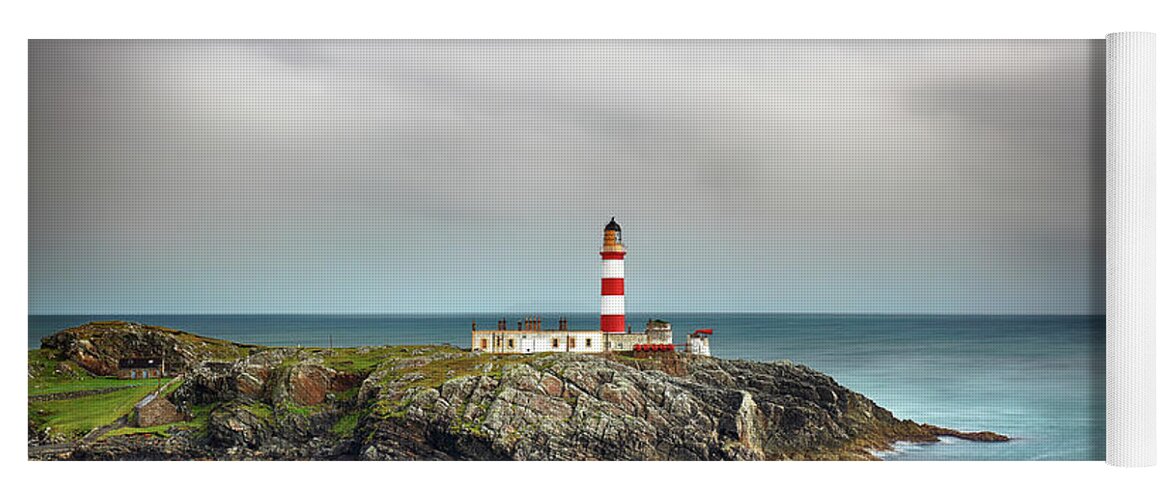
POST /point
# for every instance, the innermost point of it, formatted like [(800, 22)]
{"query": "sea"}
[(1039, 379)]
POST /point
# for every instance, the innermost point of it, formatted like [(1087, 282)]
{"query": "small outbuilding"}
[(699, 342), (154, 410)]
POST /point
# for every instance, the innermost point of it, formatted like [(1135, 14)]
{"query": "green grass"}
[(345, 426), (436, 372), (170, 389), (43, 365), (77, 416), (295, 408), (158, 430), (349, 394), (42, 362), (353, 360), (38, 387), (74, 417), (261, 410), (385, 408)]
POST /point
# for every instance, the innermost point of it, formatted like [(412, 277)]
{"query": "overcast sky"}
[(476, 176)]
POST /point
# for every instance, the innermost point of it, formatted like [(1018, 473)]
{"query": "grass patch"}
[(468, 427), (77, 416), (358, 362), (261, 410), (290, 407), (435, 373), (38, 387), (345, 426), (158, 430), (391, 409), (349, 394), (169, 390), (51, 374), (363, 361), (42, 362)]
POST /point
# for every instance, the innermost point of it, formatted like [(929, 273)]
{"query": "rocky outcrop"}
[(981, 436), (278, 403), (581, 407), (237, 424), (277, 376), (138, 447), (97, 347), (37, 436), (434, 402)]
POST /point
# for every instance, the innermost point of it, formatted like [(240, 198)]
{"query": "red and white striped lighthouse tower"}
[(613, 280)]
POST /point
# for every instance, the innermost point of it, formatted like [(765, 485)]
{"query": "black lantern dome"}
[(613, 226)]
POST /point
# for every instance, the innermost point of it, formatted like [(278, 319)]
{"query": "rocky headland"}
[(445, 403)]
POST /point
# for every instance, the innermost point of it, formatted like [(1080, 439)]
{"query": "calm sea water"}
[(1039, 379)]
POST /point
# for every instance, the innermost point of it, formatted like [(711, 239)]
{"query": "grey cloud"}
[(785, 171)]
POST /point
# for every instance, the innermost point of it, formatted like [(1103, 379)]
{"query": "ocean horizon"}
[(1037, 378)]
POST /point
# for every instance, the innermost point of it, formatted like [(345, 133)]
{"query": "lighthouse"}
[(613, 280), (613, 336)]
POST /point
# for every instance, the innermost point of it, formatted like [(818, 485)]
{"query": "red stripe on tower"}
[(613, 279), (613, 323), (613, 286)]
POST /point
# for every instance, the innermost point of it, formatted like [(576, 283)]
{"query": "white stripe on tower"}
[(613, 268), (613, 305)]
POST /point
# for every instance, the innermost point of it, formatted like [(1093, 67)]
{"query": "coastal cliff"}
[(441, 402)]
